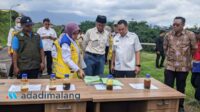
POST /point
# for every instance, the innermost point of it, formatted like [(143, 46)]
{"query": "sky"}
[(155, 12)]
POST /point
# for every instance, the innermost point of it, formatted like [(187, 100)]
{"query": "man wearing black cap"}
[(94, 44), (28, 51)]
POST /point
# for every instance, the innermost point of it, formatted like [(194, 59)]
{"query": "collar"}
[(127, 35), (182, 33), (45, 28), (98, 31)]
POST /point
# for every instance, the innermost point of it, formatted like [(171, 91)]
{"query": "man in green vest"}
[(28, 56)]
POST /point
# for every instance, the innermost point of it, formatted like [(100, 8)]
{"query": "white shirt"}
[(95, 42), (125, 48), (47, 43), (10, 34)]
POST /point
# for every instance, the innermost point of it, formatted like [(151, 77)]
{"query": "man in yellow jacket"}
[(12, 32), (66, 54)]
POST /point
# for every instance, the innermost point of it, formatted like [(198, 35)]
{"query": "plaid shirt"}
[(179, 50)]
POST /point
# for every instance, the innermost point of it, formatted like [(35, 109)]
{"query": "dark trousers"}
[(95, 64), (49, 61), (106, 54), (11, 70), (123, 74), (195, 80), (160, 58), (180, 77), (32, 74)]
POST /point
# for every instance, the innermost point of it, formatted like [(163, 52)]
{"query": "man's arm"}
[(15, 46), (194, 45), (42, 64), (54, 36), (15, 57), (113, 62), (85, 40), (138, 47), (165, 44)]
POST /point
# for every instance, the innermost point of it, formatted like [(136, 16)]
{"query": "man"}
[(179, 45), (48, 35), (13, 31), (94, 44), (126, 52), (160, 50), (28, 54)]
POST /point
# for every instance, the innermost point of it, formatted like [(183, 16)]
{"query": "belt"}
[(94, 54)]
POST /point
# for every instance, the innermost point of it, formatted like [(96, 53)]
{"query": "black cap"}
[(26, 20), (101, 19)]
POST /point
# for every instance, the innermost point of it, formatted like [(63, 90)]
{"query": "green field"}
[(148, 66)]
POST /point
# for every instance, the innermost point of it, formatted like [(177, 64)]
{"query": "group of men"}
[(28, 51)]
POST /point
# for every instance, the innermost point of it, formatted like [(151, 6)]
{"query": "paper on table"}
[(92, 79), (14, 88), (103, 87), (115, 82), (141, 86), (60, 88), (32, 87)]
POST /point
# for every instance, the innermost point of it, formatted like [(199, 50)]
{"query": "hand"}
[(81, 73), (9, 51), (42, 66), (16, 70), (137, 70), (52, 38), (112, 68), (158, 52), (45, 37)]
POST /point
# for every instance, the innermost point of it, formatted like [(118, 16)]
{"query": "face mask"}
[(18, 25)]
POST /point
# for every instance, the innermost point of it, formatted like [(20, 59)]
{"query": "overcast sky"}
[(156, 12)]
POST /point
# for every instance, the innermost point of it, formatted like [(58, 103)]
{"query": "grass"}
[(148, 66)]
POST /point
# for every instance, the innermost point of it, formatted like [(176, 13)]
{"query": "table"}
[(164, 99), (44, 105)]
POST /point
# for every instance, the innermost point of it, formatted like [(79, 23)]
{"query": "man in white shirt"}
[(126, 52), (94, 44), (48, 35)]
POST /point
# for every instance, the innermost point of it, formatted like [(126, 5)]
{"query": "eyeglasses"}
[(47, 24), (177, 25)]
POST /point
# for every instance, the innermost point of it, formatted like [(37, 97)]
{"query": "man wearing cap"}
[(48, 35), (94, 45), (28, 56)]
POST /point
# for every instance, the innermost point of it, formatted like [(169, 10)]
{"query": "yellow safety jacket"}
[(14, 32), (60, 67), (110, 47)]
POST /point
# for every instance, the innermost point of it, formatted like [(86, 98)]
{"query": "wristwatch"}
[(138, 65)]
